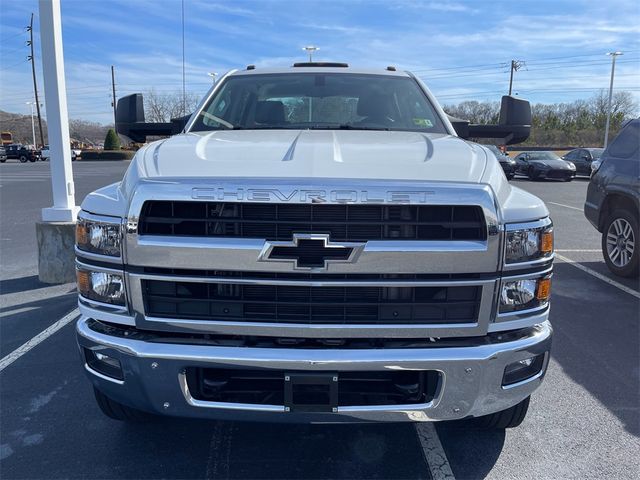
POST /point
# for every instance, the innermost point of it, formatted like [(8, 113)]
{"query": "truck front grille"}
[(342, 222), (311, 304)]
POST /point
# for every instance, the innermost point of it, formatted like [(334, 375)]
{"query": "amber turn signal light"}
[(546, 242), (84, 282), (82, 234), (544, 289)]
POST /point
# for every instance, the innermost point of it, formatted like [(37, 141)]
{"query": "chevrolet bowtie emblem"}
[(310, 251)]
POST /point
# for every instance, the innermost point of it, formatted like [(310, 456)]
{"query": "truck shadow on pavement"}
[(596, 331), (239, 450)]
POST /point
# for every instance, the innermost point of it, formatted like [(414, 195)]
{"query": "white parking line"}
[(41, 337), (566, 206), (579, 250), (599, 276), (433, 452)]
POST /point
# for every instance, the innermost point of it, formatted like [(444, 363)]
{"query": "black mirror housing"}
[(514, 125), (130, 121)]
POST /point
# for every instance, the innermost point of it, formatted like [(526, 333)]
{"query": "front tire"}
[(620, 246), (118, 411), (23, 159), (531, 174), (509, 418)]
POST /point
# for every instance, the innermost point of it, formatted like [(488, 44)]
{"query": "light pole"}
[(33, 125), (613, 56), (213, 76), (310, 49)]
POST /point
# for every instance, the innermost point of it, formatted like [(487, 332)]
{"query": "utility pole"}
[(35, 85), (613, 56), (113, 91), (515, 66), (33, 126)]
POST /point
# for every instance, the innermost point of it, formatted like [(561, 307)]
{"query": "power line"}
[(9, 37), (6, 52), (501, 65), (7, 67)]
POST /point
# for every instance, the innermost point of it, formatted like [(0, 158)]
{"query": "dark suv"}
[(23, 153), (613, 201)]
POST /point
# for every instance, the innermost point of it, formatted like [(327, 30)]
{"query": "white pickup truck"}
[(320, 243), (45, 153)]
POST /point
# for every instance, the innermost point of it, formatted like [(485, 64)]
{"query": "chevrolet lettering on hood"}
[(310, 196)]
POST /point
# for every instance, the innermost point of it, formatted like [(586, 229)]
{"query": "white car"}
[(46, 153)]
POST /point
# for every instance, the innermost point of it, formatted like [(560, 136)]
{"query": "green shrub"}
[(107, 155), (112, 142)]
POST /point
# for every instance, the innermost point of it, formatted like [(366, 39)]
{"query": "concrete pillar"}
[(56, 233)]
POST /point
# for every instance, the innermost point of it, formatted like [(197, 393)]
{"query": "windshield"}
[(319, 101), (496, 151), (543, 156), (596, 152)]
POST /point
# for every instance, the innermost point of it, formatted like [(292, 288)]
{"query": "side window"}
[(627, 142)]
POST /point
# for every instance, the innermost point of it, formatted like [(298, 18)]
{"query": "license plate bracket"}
[(310, 392)]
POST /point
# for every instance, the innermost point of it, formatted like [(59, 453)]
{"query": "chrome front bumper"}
[(471, 377)]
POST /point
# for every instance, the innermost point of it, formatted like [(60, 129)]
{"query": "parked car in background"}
[(12, 150), (543, 165), (3, 154), (613, 201), (46, 153), (582, 158), (24, 153), (508, 164)]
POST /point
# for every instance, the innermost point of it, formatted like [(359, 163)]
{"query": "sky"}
[(461, 49)]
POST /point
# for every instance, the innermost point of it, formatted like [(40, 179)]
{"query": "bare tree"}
[(162, 107), (579, 123)]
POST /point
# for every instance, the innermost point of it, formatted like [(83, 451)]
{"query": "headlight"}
[(571, 165), (524, 294), (527, 244), (98, 237), (101, 286)]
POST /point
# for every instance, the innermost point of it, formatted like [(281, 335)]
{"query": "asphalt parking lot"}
[(583, 423)]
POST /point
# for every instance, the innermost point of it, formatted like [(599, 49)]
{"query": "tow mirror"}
[(514, 124), (130, 121)]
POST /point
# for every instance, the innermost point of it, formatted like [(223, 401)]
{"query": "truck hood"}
[(317, 154), (314, 153)]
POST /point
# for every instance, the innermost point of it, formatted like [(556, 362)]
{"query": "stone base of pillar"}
[(56, 257)]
